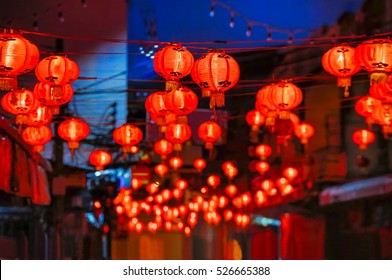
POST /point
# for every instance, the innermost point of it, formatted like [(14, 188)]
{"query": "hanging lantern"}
[(241, 220), (53, 98), (181, 184), (290, 173), (340, 61), (363, 138), (365, 107), (375, 56), (231, 190), (155, 104), (127, 136), (294, 119), (181, 102), (99, 159), (19, 102), (38, 117), (173, 63), (178, 194), (178, 133), (176, 162), (304, 131), (161, 169), (199, 164), (209, 132), (255, 119), (262, 167), (37, 137), (213, 181), (263, 151), (259, 198), (229, 169), (152, 188), (215, 73), (228, 215), (163, 147), (73, 131), (286, 190), (267, 185), (381, 91), (285, 96), (17, 55)]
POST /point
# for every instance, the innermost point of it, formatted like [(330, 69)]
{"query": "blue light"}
[(263, 221), (97, 173)]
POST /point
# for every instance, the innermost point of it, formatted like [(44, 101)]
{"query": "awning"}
[(376, 186)]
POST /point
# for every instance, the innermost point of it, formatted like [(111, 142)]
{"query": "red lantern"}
[(52, 98), (286, 190), (228, 215), (213, 181), (73, 131), (215, 72), (178, 133), (161, 169), (177, 193), (181, 102), (259, 198), (290, 173), (363, 137), (242, 220), (176, 162), (304, 131), (173, 63), (262, 167), (152, 188), (37, 137), (127, 136), (19, 102), (267, 185), (199, 164), (263, 99), (38, 117), (340, 61), (209, 132), (375, 56), (365, 107), (181, 184), (285, 96), (255, 119), (231, 190), (381, 91), (263, 151), (155, 104), (100, 158), (17, 56), (163, 148)]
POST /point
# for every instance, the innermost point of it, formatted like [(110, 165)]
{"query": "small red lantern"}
[(163, 147), (231, 190), (228, 215), (340, 61), (363, 137), (38, 117), (100, 158), (285, 96), (52, 98), (127, 136), (155, 104), (255, 119), (262, 167), (73, 131), (213, 181), (381, 91), (242, 220), (263, 99), (161, 169), (181, 184), (173, 63), (375, 56), (199, 164), (37, 137), (259, 198), (267, 185), (177, 193), (209, 132), (181, 102), (19, 102), (304, 131), (290, 173), (152, 188), (176, 162), (178, 133), (263, 151), (215, 73), (365, 107)]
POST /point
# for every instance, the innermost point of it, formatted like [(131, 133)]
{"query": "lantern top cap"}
[(5, 30)]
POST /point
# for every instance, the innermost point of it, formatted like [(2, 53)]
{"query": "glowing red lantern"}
[(242, 220), (263, 151), (18, 55), (73, 131), (155, 104), (163, 148), (173, 63), (262, 167), (290, 173), (38, 117), (161, 169), (304, 131), (215, 73), (228, 215), (286, 190), (152, 188), (37, 137), (100, 158), (381, 91), (255, 119), (209, 132), (365, 107), (176, 162), (199, 164), (181, 102), (285, 96), (52, 98), (340, 61), (229, 169), (178, 133), (375, 56), (267, 185), (177, 193), (259, 198), (213, 181), (363, 138), (263, 99), (19, 102), (181, 184), (127, 136), (231, 190)]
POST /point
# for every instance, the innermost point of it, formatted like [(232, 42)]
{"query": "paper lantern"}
[(381, 91), (215, 73), (53, 98), (285, 96), (241, 220), (181, 184), (340, 61), (262, 167), (267, 185), (38, 117), (17, 55), (178, 133), (176, 162), (304, 131), (263, 151), (173, 63), (213, 181), (99, 159), (199, 164), (209, 132), (255, 119), (259, 198), (19, 102), (375, 56), (155, 104), (231, 190), (163, 147), (181, 102), (382, 115), (228, 215), (127, 136), (73, 130), (37, 137), (363, 138), (290, 173), (365, 107)]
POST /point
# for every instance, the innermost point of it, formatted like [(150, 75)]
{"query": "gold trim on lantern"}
[(172, 85), (177, 147), (378, 77), (54, 110), (73, 144), (182, 119), (209, 145), (217, 99), (8, 83)]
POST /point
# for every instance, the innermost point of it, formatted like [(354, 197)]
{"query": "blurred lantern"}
[(163, 147), (381, 91), (139, 227), (213, 181), (99, 159), (231, 190), (136, 183), (73, 131), (215, 73), (187, 231), (363, 137), (285, 96), (283, 129), (37, 137), (286, 190), (204, 190), (181, 102), (273, 192), (294, 119), (181, 184), (152, 188), (228, 215), (209, 132), (127, 136), (199, 164), (241, 220), (17, 55), (255, 119), (229, 169), (155, 104), (166, 194), (246, 199), (375, 56), (263, 98), (223, 201), (382, 115), (267, 185), (304, 131), (19, 102), (173, 63), (178, 133), (45, 94), (161, 169), (168, 225), (290, 173), (176, 162), (262, 167), (38, 117), (177, 193), (263, 151), (340, 61), (365, 107), (259, 198)]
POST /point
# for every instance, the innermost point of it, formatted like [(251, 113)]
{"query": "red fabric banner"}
[(264, 245), (5, 162)]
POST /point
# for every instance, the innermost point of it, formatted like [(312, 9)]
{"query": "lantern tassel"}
[(346, 92), (8, 83), (217, 99)]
